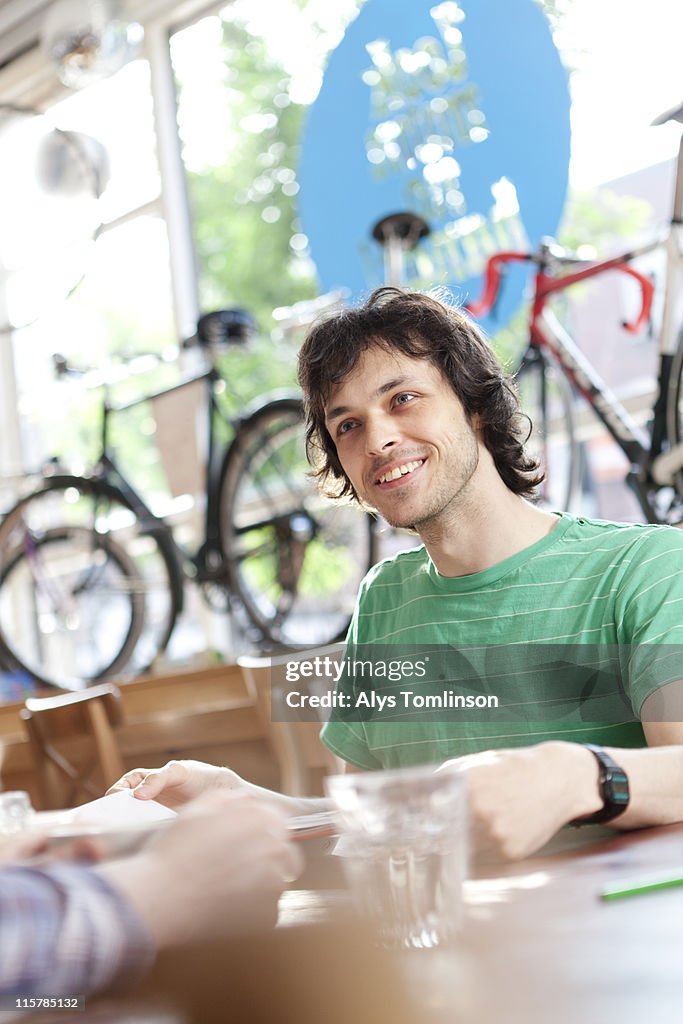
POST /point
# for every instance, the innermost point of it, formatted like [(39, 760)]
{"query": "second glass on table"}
[(405, 850), (16, 811)]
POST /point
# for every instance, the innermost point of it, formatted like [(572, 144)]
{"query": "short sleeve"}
[(347, 740), (649, 607)]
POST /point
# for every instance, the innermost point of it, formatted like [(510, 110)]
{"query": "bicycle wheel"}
[(546, 398), (295, 558), (71, 606), (100, 513)]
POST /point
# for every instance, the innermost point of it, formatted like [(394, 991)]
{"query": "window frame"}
[(30, 80)]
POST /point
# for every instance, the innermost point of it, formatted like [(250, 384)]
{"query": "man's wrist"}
[(143, 882), (581, 779)]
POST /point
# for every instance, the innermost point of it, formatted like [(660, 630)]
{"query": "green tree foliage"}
[(555, 10), (597, 220), (251, 250), (249, 243)]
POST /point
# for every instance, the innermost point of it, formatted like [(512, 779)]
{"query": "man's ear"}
[(476, 424)]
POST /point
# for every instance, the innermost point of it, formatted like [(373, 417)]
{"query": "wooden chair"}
[(302, 759), (74, 745)]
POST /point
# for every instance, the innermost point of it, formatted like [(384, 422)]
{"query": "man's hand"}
[(180, 781), (218, 868), (519, 798), (177, 782)]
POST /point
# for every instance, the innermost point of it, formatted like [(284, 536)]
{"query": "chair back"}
[(74, 745), (303, 760)]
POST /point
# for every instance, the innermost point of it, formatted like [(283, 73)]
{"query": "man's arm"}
[(662, 715), (64, 931), (520, 798), (71, 929), (178, 782), (655, 773)]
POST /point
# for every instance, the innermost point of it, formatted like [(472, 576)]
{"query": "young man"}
[(409, 413)]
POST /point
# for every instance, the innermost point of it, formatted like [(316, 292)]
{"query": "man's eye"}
[(345, 427), (403, 398)]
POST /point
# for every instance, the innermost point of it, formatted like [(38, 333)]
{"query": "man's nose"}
[(381, 433)]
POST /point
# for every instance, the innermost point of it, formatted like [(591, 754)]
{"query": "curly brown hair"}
[(423, 327)]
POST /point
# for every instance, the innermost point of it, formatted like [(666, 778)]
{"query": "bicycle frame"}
[(207, 564), (655, 456), (207, 561), (546, 334)]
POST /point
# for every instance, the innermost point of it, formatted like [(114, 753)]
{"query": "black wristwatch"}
[(613, 789)]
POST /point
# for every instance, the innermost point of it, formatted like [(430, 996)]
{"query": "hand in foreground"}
[(518, 799), (218, 868), (177, 782)]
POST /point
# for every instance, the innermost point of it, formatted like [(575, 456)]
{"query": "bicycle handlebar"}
[(492, 280), (647, 291), (494, 273)]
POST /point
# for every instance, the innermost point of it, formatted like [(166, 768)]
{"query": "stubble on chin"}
[(451, 508), (398, 524), (446, 508)]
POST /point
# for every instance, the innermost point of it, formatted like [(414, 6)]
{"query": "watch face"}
[(616, 786)]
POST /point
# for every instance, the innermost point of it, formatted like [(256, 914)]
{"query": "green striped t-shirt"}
[(569, 636)]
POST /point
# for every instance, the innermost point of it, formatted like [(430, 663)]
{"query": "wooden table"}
[(538, 947), (541, 947)]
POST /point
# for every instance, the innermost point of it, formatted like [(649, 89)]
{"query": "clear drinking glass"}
[(405, 850), (16, 811)]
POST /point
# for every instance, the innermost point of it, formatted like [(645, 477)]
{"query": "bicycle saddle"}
[(225, 327)]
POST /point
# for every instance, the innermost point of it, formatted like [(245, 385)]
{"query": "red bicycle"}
[(553, 367)]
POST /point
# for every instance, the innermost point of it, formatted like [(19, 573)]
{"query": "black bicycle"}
[(92, 581)]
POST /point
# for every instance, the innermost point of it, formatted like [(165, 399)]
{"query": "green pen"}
[(636, 888)]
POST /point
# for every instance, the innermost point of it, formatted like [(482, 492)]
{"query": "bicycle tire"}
[(295, 559), (92, 504), (66, 640), (546, 398)]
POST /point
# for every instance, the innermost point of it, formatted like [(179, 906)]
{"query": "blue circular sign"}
[(458, 112)]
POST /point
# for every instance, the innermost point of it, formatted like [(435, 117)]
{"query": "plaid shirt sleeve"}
[(64, 931)]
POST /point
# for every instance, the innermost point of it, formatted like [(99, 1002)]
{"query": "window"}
[(123, 304)]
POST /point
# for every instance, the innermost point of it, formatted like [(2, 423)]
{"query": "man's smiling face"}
[(402, 437)]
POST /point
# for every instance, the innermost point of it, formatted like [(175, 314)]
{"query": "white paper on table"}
[(120, 808)]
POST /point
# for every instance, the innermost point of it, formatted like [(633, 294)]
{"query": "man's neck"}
[(479, 535)]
